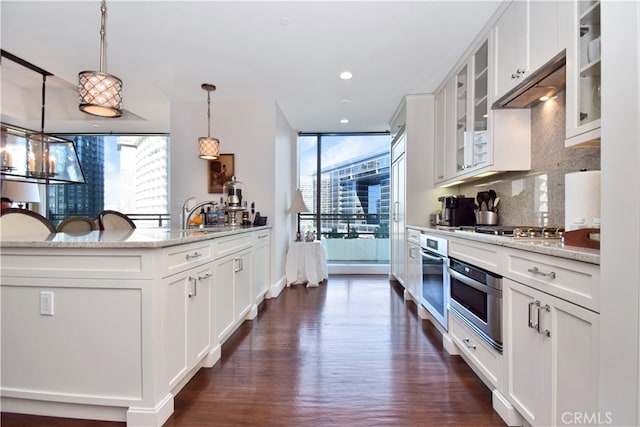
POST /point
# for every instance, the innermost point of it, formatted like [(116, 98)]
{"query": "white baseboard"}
[(63, 409), (509, 415), (358, 269), (274, 290)]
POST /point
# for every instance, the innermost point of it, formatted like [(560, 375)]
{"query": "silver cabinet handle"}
[(204, 276), (263, 236), (195, 255), (535, 270), (195, 286), (531, 324), (238, 261), (546, 332), (468, 344)]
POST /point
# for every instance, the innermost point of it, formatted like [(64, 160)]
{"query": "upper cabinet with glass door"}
[(583, 74), (463, 150), (483, 141), (472, 137), (480, 105)]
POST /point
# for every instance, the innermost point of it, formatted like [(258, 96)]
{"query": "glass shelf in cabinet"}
[(592, 69), (591, 15)]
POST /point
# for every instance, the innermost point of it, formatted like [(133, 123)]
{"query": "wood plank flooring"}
[(348, 353)]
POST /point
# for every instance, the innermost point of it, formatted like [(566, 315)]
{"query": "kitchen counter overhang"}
[(138, 238), (551, 247)]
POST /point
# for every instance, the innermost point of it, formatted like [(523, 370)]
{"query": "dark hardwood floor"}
[(348, 353)]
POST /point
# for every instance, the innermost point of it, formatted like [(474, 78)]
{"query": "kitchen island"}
[(111, 325)]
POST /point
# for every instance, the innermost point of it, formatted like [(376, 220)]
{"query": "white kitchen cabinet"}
[(398, 198), (484, 359), (471, 111), (260, 269), (480, 141), (527, 35), (512, 45), (551, 347), (547, 31), (414, 266), (186, 310), (583, 74), (441, 139), (232, 293)]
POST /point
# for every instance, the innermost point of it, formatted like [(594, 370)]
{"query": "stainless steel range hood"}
[(545, 81)]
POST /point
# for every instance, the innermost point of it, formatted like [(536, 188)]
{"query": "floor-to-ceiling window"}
[(126, 173), (344, 179)]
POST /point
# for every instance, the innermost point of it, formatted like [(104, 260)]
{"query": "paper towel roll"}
[(581, 200)]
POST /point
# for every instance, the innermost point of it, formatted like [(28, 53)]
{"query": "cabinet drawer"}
[(182, 257), (481, 255), (484, 358), (413, 235), (77, 263), (261, 237), (573, 281), (231, 244)]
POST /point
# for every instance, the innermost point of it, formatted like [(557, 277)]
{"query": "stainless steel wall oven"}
[(476, 299), (434, 294)]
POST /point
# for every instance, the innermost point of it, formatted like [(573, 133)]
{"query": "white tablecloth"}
[(306, 263)]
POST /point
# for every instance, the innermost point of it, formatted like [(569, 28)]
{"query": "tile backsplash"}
[(536, 197)]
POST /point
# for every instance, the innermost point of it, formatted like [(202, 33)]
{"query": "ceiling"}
[(291, 52)]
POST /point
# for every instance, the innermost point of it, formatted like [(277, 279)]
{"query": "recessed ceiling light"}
[(544, 98), (344, 121), (285, 21), (345, 101), (346, 75)]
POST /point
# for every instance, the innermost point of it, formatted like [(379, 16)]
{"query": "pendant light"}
[(100, 93), (209, 147)]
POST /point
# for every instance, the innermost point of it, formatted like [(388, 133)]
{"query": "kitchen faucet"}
[(186, 213)]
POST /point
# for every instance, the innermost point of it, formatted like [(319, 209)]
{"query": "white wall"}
[(620, 208), (262, 141)]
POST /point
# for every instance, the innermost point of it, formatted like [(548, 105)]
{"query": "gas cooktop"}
[(517, 232)]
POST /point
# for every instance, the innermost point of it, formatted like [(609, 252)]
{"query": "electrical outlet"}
[(46, 303)]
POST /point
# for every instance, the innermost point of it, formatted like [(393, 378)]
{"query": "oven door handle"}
[(431, 257), (474, 284)]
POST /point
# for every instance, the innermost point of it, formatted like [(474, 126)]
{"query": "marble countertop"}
[(553, 248), (135, 238)]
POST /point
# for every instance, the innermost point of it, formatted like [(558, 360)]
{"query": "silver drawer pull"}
[(195, 255), (535, 270), (204, 276), (468, 344)]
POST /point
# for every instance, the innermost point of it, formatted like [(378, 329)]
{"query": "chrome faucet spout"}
[(184, 213), (189, 212)]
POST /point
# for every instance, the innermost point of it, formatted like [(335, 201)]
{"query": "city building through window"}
[(126, 173), (344, 179)]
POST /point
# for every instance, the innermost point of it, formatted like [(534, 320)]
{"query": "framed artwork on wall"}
[(220, 171)]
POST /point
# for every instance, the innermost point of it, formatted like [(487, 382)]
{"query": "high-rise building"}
[(64, 200)]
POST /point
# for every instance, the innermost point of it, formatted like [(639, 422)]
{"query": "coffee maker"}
[(457, 211)]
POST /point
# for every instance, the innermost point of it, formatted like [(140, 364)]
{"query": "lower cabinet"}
[(414, 271), (186, 307), (260, 267), (485, 359), (551, 348), (232, 293)]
